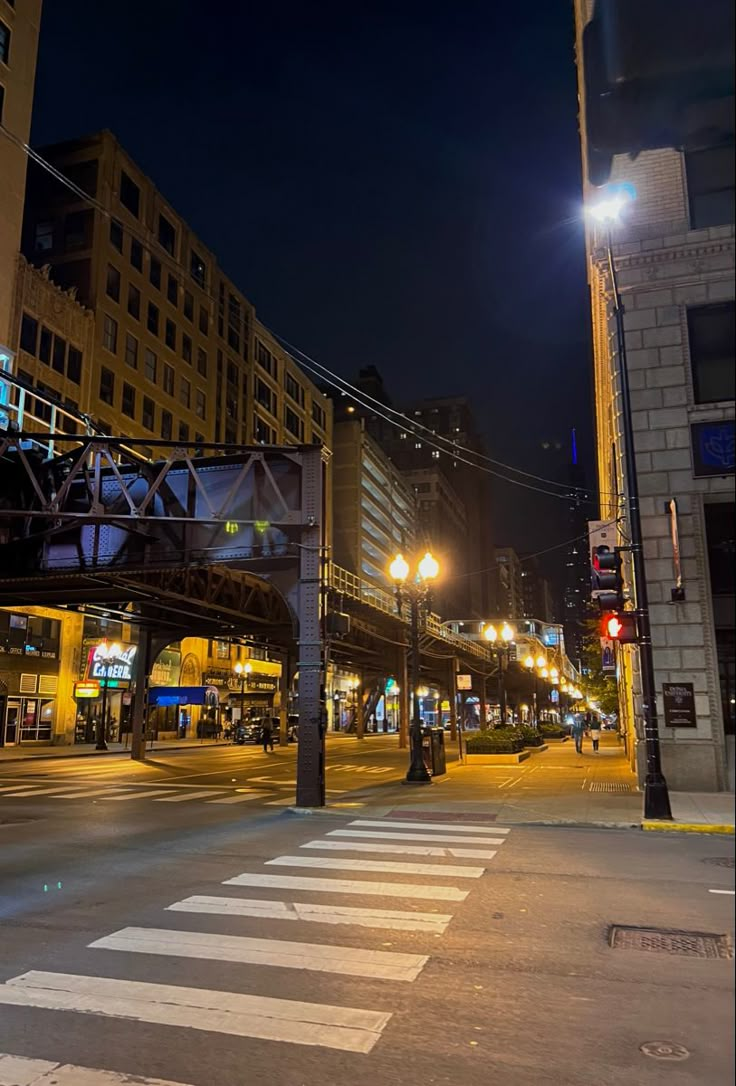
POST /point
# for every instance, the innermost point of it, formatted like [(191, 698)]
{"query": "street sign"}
[(679, 705), (464, 682)]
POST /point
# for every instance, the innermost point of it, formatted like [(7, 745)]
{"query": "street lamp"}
[(507, 634), (418, 592), (529, 664), (242, 671), (607, 213)]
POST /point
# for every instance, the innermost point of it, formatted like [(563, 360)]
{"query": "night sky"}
[(390, 184)]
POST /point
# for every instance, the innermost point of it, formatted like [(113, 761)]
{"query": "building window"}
[(200, 404), (186, 348), (110, 334), (166, 425), (265, 359), (293, 424), (318, 415), (166, 235), (4, 43), (201, 362), (2, 102), (198, 269), (28, 334), (148, 413), (112, 285), (172, 290), (168, 379), (130, 194), (134, 302), (264, 395), (188, 305), (74, 365), (58, 358), (44, 346), (204, 321), (75, 229), (128, 405), (170, 334), (183, 433), (711, 337), (154, 273), (131, 351), (710, 186), (185, 392), (294, 389), (152, 319), (150, 365), (136, 254), (116, 235), (107, 385), (262, 432), (43, 239)]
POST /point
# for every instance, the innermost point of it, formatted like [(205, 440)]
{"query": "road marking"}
[(43, 791), (404, 850), (20, 1071), (133, 795), (393, 919), (316, 957), (400, 824), (731, 892), (280, 802), (350, 886), (240, 798), (388, 867), (16, 788), (189, 795), (344, 1028), (95, 792), (448, 838)]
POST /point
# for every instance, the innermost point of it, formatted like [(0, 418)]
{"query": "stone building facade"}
[(674, 258)]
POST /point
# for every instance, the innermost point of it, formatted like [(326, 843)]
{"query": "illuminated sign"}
[(87, 689), (111, 663), (464, 682)]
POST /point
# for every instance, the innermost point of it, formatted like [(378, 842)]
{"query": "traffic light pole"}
[(656, 794)]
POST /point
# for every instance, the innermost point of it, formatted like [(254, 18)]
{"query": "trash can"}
[(433, 749)]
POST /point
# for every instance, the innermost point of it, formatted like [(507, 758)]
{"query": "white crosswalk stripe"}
[(393, 919), (388, 867), (344, 1028)]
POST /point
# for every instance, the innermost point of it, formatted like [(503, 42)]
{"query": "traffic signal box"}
[(608, 588), (619, 626)]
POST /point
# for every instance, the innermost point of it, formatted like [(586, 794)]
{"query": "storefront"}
[(250, 696), (103, 690), (29, 677)]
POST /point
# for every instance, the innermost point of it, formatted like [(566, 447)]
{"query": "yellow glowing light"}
[(429, 567), (541, 661), (507, 634), (399, 569), (554, 673), (544, 673), (529, 662), (490, 633)]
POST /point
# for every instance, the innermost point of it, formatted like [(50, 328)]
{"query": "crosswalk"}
[(310, 888)]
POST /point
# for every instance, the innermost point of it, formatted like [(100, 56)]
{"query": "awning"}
[(182, 695)]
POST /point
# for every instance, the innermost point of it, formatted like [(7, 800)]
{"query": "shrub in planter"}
[(531, 737), (497, 741), (552, 731)]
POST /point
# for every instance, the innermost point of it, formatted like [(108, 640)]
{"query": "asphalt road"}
[(491, 966)]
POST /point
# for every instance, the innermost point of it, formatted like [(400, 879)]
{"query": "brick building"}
[(674, 258)]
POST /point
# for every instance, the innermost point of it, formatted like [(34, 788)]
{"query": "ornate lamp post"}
[(504, 650), (418, 592), (242, 671)]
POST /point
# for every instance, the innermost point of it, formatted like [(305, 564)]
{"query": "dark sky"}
[(392, 184)]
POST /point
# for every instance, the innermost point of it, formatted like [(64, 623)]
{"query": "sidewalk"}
[(556, 786)]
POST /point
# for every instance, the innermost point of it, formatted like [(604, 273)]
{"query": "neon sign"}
[(110, 661)]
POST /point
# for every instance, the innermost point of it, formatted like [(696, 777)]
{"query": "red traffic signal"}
[(620, 626)]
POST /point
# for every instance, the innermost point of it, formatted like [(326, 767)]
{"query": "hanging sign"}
[(679, 705), (87, 689), (111, 662), (464, 682), (608, 658)]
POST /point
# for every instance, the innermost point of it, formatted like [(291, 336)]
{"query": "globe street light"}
[(491, 635), (418, 592), (242, 671)]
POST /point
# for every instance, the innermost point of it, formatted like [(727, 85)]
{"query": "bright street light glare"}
[(507, 633), (429, 567), (399, 569), (490, 633), (606, 209)]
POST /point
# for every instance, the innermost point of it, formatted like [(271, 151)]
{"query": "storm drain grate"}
[(719, 861), (689, 944), (609, 786)]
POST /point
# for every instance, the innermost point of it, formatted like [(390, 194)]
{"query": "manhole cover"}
[(664, 1050), (609, 786), (690, 944), (719, 861)]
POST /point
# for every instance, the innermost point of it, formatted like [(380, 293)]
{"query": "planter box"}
[(496, 759), (536, 750), (565, 739)]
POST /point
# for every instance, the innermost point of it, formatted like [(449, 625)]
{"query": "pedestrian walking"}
[(267, 734), (595, 733), (577, 728)]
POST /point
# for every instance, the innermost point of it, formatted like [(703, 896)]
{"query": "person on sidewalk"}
[(267, 734), (595, 733), (577, 728)]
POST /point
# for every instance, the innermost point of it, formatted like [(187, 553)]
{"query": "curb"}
[(688, 827), (100, 753), (358, 810)]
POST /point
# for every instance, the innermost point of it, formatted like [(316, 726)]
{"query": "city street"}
[(174, 921)]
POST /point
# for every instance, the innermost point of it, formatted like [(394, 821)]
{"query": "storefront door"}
[(12, 721)]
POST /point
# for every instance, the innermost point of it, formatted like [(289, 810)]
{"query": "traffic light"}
[(620, 626), (608, 580)]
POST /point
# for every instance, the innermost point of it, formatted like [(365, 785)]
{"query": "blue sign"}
[(714, 447)]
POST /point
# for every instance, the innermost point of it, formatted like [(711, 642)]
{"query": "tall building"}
[(179, 353), (536, 591), (509, 584), (673, 253), (375, 509), (19, 28)]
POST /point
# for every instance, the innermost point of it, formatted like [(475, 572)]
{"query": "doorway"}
[(12, 723)]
